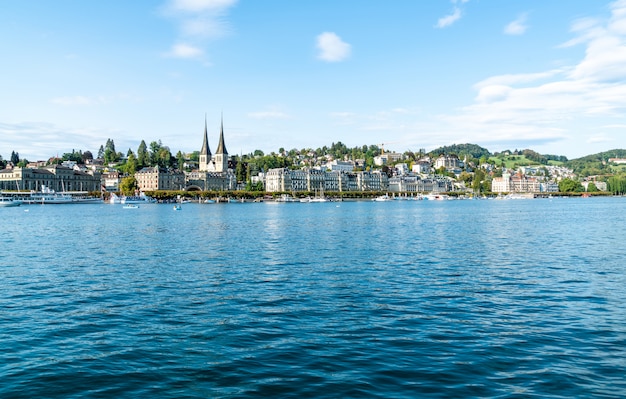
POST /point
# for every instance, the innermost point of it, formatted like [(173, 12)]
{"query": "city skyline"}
[(540, 75)]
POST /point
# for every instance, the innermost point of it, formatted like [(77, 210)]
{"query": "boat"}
[(130, 206), (286, 198), (48, 196), (316, 198), (135, 199), (6, 202), (382, 198), (177, 208)]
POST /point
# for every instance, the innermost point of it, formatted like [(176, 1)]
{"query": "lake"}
[(399, 299)]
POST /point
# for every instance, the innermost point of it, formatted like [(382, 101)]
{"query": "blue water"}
[(403, 299)]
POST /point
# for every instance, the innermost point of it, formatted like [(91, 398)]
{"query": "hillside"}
[(471, 150)]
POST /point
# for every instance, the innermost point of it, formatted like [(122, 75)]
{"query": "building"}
[(518, 183), (111, 180), (154, 178), (307, 179), (343, 166), (448, 162), (213, 171), (422, 166), (55, 177), (213, 163), (387, 158)]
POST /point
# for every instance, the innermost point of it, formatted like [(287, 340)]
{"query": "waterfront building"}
[(518, 183), (307, 179), (154, 178), (416, 184), (55, 177)]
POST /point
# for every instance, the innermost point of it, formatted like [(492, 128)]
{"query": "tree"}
[(131, 164), (15, 158), (164, 157), (101, 152), (128, 185), (240, 172), (110, 155), (3, 164), (477, 183), (143, 158), (568, 185), (180, 160), (592, 188)]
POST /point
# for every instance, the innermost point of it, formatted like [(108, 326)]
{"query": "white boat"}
[(177, 208), (382, 198), (139, 199), (48, 196), (6, 202), (286, 198), (130, 206)]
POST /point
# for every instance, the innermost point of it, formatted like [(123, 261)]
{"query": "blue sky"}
[(544, 75)]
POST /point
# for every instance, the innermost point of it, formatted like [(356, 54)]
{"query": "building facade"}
[(288, 180), (155, 178), (55, 177)]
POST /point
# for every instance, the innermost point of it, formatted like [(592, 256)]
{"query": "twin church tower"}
[(213, 163)]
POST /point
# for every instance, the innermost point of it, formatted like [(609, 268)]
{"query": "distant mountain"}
[(472, 150)]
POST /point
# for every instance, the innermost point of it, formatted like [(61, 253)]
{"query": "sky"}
[(405, 75)]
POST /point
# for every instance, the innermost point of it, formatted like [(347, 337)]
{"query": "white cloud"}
[(517, 27), (332, 48), (197, 21), (579, 103), (448, 20), (183, 50)]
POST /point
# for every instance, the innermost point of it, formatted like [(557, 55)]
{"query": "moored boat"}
[(6, 202)]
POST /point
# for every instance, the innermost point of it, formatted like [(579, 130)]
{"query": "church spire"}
[(221, 148), (205, 144)]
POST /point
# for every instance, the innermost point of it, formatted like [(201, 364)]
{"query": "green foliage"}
[(570, 186), (592, 188), (143, 157), (617, 184), (128, 185), (75, 156), (461, 150), (477, 183), (110, 155), (595, 164), (130, 167)]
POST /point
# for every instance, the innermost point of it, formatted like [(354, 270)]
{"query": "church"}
[(212, 172), (217, 163)]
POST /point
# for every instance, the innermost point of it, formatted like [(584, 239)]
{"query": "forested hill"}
[(471, 150), (596, 164), (602, 156)]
